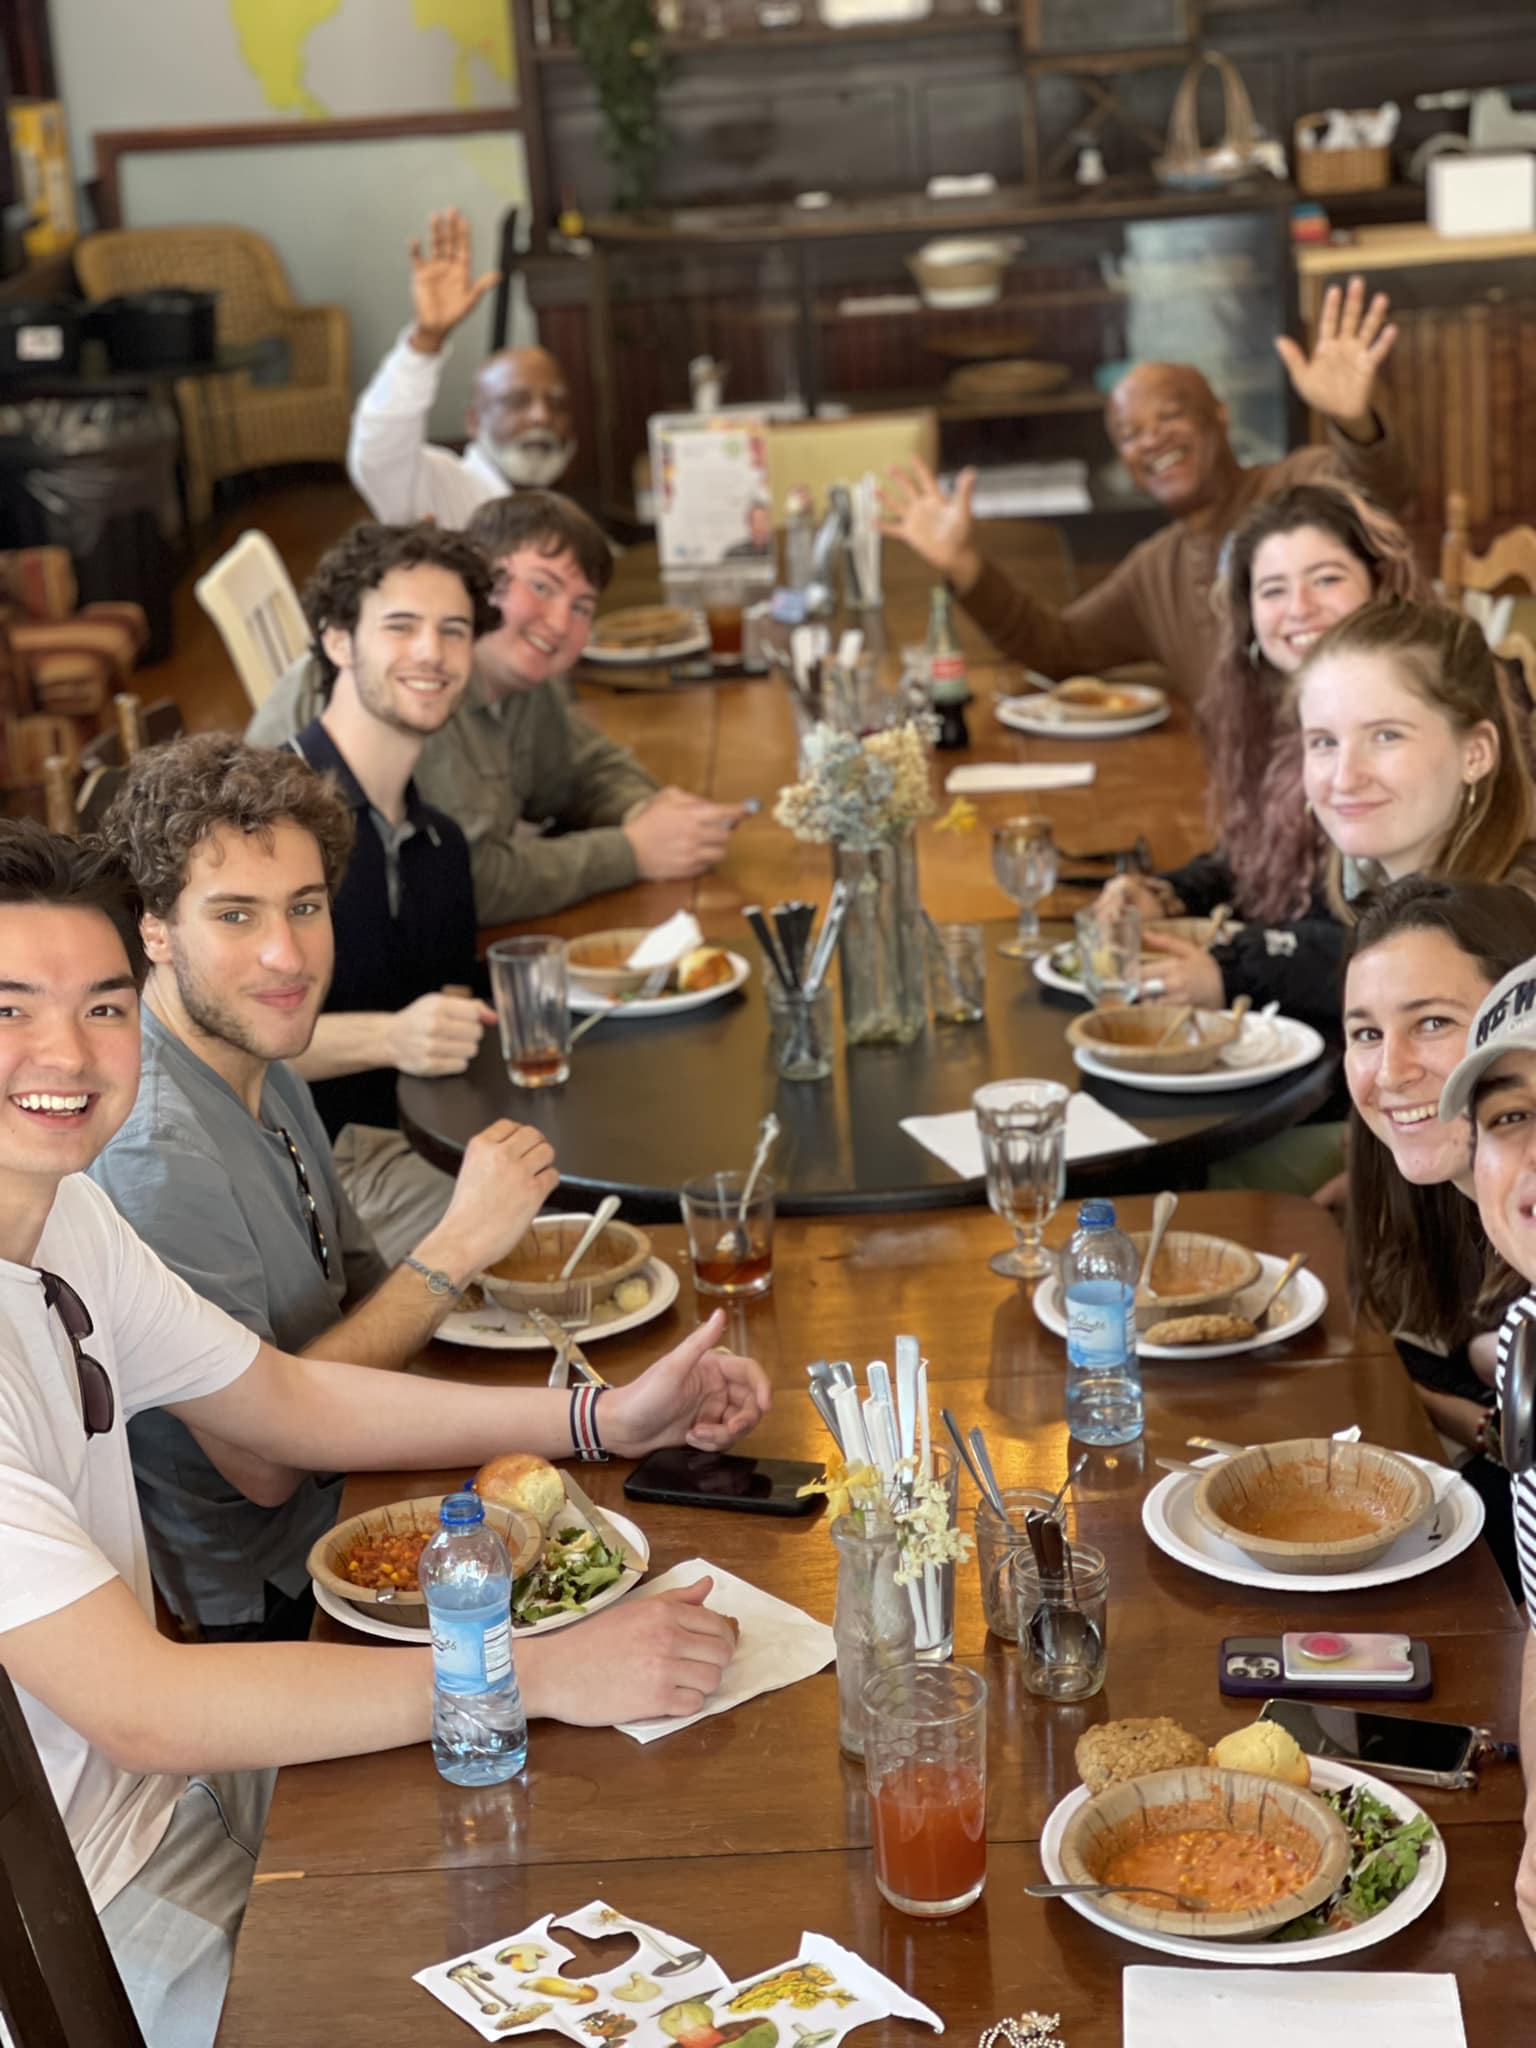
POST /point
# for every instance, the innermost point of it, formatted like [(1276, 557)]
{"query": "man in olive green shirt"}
[(553, 811)]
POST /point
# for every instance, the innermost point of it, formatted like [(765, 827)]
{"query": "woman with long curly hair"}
[(1298, 563)]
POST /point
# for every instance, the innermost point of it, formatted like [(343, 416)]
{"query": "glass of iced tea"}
[(529, 990), (925, 1769), (731, 1247)]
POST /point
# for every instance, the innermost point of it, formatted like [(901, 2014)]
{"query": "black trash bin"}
[(96, 474)]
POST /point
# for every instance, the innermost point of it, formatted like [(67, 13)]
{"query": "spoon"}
[(990, 1487), (1180, 1024), (1059, 1632), (963, 1451), (1292, 1267), (607, 1209), (734, 1242), (1189, 1902), (1162, 1216), (1061, 1491)]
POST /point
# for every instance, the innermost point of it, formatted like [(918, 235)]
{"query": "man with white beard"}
[(519, 420)]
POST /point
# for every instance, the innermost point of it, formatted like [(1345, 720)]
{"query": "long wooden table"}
[(748, 1827)]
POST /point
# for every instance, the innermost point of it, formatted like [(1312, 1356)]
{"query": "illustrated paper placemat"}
[(670, 1994)]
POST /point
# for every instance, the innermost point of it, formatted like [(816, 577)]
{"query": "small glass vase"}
[(873, 1622), (880, 947)]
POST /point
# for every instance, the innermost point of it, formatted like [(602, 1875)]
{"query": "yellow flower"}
[(846, 1486), (960, 817)]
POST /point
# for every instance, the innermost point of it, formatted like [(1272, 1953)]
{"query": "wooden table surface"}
[(748, 1827)]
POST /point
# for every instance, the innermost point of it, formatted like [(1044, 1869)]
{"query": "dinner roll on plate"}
[(1265, 1749), (520, 1480)]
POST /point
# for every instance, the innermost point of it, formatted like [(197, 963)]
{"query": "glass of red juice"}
[(730, 1232), (925, 1767)]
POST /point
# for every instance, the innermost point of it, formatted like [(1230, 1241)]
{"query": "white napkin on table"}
[(1009, 778), (779, 1644), (1092, 1132), (1277, 2008), (667, 944)]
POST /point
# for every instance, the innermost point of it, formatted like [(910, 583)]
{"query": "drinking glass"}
[(1064, 1663), (925, 1769), (1023, 1127), (732, 1251), (1000, 1543), (957, 972), (1024, 860), (529, 990), (1109, 949)]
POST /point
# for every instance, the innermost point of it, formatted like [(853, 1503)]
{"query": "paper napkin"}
[(1093, 1132), (667, 944), (1009, 778), (1278, 2008), (779, 1644)]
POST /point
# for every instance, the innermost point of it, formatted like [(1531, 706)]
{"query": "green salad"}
[(576, 1565), (1385, 1852)]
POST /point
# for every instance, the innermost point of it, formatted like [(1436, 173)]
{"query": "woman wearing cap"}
[(1496, 1080), (1425, 954), (1299, 563)]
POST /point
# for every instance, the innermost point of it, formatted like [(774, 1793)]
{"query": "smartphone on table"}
[(1311, 1661), (1440, 1753), (682, 1477)]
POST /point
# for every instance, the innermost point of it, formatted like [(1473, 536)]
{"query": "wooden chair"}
[(1509, 559), (250, 597), (59, 1987), (139, 725)]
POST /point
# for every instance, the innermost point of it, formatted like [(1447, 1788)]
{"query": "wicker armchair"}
[(237, 425)]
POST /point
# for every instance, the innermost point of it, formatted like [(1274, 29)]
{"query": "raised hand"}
[(938, 529), (444, 289), (507, 1174), (1353, 340)]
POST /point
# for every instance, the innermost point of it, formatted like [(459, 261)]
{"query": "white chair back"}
[(250, 597)]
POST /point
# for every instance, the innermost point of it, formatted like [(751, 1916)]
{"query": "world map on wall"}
[(277, 42)]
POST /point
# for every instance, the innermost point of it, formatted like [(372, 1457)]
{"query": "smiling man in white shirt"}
[(518, 422), (161, 1774)]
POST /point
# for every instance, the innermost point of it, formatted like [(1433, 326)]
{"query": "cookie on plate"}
[(1201, 1330), (1117, 1751)]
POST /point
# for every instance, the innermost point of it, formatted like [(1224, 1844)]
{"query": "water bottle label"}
[(1096, 1330), (468, 1655)]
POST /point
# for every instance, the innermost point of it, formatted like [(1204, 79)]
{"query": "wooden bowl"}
[(1195, 1275), (1313, 1474), (597, 961), (1200, 1796), (529, 1275), (1128, 1038), (519, 1531)]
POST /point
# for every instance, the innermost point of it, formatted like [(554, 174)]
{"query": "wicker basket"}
[(1187, 162), (1323, 171), (1129, 1038)]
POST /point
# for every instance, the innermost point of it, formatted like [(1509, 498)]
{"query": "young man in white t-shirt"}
[(94, 1329)]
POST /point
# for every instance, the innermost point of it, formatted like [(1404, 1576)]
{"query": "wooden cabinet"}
[(1461, 381)]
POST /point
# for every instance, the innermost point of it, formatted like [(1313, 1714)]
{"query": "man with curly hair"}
[(224, 1168), (554, 812)]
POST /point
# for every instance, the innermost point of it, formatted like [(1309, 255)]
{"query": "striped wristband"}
[(585, 1441)]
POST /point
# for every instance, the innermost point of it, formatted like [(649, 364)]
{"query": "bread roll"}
[(520, 1480), (704, 967)]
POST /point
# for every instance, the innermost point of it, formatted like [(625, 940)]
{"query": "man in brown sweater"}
[(1171, 432)]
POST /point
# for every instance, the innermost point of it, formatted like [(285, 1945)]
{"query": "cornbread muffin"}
[(1266, 1750), (1117, 1751)]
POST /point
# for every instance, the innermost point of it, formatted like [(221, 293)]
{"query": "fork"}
[(557, 1323), (647, 992)]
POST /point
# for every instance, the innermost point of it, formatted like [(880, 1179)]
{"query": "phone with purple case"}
[(1254, 1667)]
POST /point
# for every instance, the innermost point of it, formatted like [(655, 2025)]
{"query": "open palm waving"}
[(1353, 340), (444, 289)]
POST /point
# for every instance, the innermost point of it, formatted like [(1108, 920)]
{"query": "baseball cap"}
[(1505, 1022)]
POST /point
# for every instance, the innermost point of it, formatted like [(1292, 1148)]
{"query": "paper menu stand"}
[(514, 1986), (714, 506)]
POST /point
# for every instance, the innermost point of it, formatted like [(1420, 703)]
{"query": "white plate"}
[(500, 1329), (1322, 1948), (1168, 1516), (1267, 1048), (400, 1632), (696, 642), (584, 1001), (1034, 715), (1306, 1298), (1050, 976)]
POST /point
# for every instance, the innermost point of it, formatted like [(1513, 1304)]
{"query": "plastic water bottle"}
[(479, 1729), (1103, 1371)]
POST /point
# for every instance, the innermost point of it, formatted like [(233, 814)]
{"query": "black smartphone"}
[(685, 1478), (1443, 1753)]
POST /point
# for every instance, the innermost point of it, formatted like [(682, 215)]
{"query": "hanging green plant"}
[(620, 45)]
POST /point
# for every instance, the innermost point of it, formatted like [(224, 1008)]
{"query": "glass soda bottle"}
[(1103, 1372), (479, 1729), (950, 676)]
